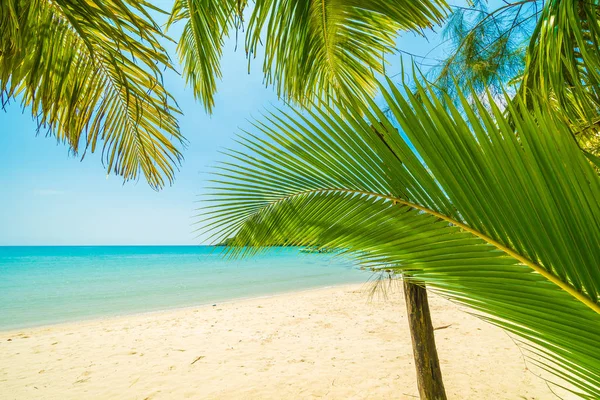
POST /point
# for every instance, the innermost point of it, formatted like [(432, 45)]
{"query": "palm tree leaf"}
[(91, 71), (503, 223), (563, 62), (318, 49), (207, 23)]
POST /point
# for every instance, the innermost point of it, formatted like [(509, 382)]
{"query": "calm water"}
[(44, 285)]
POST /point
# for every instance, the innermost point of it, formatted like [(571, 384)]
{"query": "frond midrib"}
[(581, 297), (328, 46)]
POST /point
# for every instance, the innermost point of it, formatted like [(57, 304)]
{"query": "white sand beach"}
[(333, 343)]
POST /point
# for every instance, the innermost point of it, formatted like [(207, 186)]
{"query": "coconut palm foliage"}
[(508, 224), (90, 71), (563, 64), (315, 49)]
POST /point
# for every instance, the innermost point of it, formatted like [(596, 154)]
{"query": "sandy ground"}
[(333, 343)]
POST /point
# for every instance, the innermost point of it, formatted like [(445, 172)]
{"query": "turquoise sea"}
[(46, 285)]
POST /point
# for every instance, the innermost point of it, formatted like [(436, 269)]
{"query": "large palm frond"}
[(563, 64), (316, 49), (506, 223), (91, 72)]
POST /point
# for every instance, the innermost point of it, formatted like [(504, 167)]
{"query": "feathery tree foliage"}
[(487, 47), (90, 71), (480, 206)]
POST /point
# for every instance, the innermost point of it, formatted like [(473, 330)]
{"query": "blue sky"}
[(48, 197)]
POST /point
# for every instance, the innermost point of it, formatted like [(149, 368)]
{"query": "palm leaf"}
[(207, 24), (318, 49), (563, 64), (503, 223), (91, 72)]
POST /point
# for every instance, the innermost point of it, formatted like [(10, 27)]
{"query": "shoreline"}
[(56, 285), (333, 343), (93, 319)]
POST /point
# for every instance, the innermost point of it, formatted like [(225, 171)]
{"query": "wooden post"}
[(429, 374)]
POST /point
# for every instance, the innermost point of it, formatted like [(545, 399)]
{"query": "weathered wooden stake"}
[(429, 374)]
